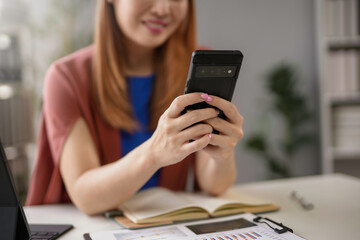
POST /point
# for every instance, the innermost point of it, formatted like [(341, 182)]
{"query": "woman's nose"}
[(161, 7)]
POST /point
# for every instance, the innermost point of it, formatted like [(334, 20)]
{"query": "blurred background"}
[(298, 90)]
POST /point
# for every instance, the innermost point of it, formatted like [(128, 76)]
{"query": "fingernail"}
[(210, 135), (209, 99), (204, 96)]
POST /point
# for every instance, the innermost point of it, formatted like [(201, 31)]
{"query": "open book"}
[(160, 204)]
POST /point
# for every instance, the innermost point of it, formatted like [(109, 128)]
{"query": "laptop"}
[(13, 223)]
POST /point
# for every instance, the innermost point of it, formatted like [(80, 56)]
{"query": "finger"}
[(217, 153), (222, 141), (179, 103), (211, 150), (195, 116), (227, 107), (195, 132), (226, 128), (196, 145)]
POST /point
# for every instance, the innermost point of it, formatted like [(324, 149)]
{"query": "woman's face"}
[(149, 23)]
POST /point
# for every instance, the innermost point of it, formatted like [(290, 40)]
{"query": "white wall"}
[(266, 32)]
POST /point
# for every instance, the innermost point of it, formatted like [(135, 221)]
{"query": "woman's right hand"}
[(170, 142)]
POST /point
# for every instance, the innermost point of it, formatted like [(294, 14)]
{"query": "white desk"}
[(336, 214)]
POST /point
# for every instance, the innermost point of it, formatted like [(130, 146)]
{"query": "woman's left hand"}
[(222, 145)]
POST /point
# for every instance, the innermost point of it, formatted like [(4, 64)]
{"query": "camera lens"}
[(229, 71)]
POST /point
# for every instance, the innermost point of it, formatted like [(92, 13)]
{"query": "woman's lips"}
[(155, 26)]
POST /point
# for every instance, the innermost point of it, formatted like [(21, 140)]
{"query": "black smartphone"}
[(214, 72)]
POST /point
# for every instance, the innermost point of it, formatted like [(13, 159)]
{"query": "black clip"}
[(277, 230)]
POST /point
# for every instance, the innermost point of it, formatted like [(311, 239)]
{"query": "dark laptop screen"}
[(13, 224), (7, 194)]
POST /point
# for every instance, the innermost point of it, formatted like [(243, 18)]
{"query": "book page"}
[(155, 202), (226, 201), (207, 202), (243, 198)]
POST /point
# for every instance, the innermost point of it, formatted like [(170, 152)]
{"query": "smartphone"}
[(214, 72)]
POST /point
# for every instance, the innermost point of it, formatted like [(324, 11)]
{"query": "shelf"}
[(339, 72), (346, 153), (342, 43), (340, 99)]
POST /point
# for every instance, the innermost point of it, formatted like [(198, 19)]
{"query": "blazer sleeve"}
[(59, 113), (61, 108)]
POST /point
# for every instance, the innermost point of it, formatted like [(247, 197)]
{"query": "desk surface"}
[(336, 214)]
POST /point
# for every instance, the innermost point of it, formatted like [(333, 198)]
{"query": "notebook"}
[(157, 206), (13, 223)]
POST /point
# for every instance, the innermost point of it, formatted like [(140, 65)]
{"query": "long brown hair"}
[(109, 85)]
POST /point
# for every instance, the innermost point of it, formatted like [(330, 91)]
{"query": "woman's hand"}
[(222, 145), (170, 142), (215, 164)]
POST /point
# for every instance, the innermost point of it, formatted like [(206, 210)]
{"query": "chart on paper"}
[(237, 227), (149, 234), (177, 233), (243, 235)]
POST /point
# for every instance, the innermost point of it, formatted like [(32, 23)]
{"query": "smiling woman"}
[(111, 120), (149, 23), (126, 47)]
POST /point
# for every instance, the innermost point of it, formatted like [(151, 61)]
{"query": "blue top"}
[(140, 91)]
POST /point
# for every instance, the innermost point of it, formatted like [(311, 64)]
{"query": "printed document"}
[(235, 227)]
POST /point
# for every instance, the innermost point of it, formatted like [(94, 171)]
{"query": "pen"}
[(303, 203)]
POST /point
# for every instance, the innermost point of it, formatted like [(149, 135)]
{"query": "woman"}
[(112, 120)]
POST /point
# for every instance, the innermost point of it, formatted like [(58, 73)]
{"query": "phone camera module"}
[(215, 71)]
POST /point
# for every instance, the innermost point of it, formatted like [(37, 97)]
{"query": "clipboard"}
[(236, 227), (282, 229)]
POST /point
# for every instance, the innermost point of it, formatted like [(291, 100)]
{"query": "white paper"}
[(182, 231)]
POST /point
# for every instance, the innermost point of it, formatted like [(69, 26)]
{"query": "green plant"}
[(290, 105)]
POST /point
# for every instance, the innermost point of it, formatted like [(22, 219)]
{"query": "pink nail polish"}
[(209, 99), (204, 96), (210, 136)]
